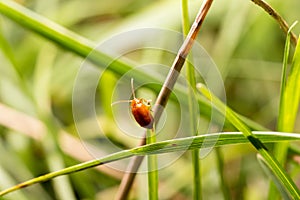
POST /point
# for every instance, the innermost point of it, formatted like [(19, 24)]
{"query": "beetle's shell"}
[(141, 113)]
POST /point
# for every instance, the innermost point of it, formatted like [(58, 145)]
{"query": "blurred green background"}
[(37, 78)]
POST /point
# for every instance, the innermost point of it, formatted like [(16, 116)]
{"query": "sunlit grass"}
[(38, 70)]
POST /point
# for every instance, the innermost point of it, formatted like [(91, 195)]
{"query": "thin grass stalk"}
[(220, 167), (272, 163), (152, 167), (165, 92), (190, 72), (281, 149), (273, 13)]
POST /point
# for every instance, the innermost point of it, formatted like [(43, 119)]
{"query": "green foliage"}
[(39, 67)]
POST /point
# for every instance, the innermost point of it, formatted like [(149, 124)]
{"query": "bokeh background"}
[(37, 79)]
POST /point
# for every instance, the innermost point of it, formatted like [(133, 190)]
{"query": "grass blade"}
[(190, 73), (85, 48), (290, 92), (220, 165), (273, 176), (283, 79), (175, 145), (152, 167), (274, 165), (168, 85), (280, 149)]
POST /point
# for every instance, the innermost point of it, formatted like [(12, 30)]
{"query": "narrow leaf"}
[(175, 145), (268, 170), (291, 94), (275, 166)]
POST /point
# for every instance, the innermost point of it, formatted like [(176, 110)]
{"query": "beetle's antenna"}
[(121, 101), (132, 89), (126, 101)]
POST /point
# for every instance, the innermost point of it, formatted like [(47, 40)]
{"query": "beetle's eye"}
[(148, 103)]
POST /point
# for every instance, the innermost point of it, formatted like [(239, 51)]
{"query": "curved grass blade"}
[(168, 146), (290, 92), (85, 48), (274, 165), (284, 124), (273, 13), (268, 170), (280, 124)]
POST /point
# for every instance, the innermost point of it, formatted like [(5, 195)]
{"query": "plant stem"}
[(165, 92), (152, 167), (190, 72), (282, 23), (220, 166)]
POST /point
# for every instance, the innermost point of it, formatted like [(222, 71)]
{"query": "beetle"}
[(140, 109)]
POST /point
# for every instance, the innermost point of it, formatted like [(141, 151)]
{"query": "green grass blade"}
[(45, 27), (193, 116), (58, 34), (274, 165), (289, 96), (273, 176), (283, 80), (223, 183), (84, 47), (280, 149), (152, 167), (175, 145)]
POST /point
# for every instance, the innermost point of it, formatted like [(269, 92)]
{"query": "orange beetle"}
[(140, 109)]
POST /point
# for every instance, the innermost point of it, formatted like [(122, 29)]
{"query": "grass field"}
[(65, 64)]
